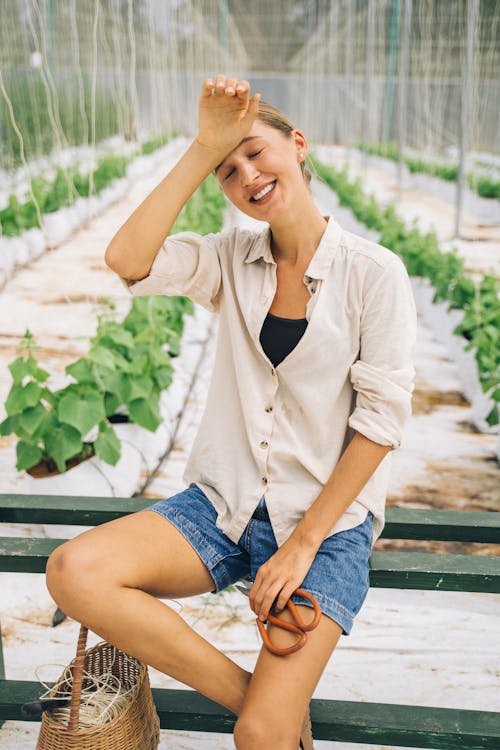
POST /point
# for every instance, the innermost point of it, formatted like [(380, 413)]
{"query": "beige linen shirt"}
[(280, 431)]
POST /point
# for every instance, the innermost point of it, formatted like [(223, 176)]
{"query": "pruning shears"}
[(299, 627)]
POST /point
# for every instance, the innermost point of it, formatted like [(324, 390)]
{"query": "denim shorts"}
[(338, 577)]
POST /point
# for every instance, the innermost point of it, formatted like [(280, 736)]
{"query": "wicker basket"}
[(137, 727)]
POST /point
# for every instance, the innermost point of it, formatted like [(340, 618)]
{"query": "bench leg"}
[(2, 663)]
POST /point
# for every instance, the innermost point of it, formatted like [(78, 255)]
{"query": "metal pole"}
[(370, 32), (466, 106), (51, 36), (332, 97), (223, 12), (387, 129), (403, 89), (349, 98)]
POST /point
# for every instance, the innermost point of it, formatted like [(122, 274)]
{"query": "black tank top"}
[(280, 335)]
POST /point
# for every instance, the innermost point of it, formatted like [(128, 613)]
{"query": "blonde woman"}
[(287, 477)]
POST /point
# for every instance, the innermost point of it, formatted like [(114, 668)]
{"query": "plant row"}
[(47, 196), (480, 301), (128, 365), (483, 184)]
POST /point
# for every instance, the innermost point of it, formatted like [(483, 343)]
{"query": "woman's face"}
[(262, 176)]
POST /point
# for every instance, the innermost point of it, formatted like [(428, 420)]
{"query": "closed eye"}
[(250, 156)]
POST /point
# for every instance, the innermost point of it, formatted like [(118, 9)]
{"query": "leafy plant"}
[(18, 216), (147, 147), (52, 426), (481, 326), (484, 184), (131, 361)]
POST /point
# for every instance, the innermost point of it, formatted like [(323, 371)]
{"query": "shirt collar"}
[(261, 247), (320, 262)]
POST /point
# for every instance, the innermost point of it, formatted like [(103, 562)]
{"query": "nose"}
[(248, 174)]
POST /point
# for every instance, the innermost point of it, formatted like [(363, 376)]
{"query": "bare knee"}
[(253, 732), (74, 577)]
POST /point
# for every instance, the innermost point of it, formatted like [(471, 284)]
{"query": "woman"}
[(288, 473)]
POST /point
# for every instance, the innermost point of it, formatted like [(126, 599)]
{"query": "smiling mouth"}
[(263, 193)]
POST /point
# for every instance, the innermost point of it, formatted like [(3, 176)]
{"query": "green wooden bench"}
[(376, 723)]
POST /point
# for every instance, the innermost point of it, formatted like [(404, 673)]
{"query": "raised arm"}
[(226, 114)]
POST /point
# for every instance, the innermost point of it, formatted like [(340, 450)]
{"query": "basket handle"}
[(77, 679)]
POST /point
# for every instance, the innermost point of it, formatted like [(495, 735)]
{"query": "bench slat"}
[(407, 570), (401, 523), (425, 570), (67, 510), (442, 525), (408, 726)]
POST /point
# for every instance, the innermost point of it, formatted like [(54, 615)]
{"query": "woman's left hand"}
[(280, 576)]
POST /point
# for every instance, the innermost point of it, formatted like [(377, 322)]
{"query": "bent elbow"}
[(114, 259), (111, 258)]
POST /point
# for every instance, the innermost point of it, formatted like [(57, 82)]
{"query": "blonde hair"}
[(274, 118)]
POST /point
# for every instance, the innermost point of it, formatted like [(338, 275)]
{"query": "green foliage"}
[(147, 147), (131, 360), (445, 171), (52, 425), (203, 213), (484, 185), (386, 150), (17, 217), (31, 111), (422, 257), (110, 168), (60, 193), (481, 326)]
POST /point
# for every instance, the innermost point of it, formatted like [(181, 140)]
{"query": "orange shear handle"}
[(300, 628)]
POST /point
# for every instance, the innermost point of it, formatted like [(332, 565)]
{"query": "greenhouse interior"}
[(104, 388)]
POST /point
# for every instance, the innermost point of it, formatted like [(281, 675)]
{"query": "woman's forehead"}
[(258, 132)]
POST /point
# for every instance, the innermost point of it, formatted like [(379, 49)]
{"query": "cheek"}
[(232, 194)]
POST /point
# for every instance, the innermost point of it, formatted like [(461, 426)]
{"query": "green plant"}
[(52, 426), (31, 105), (131, 361), (147, 147), (481, 327), (483, 184), (109, 169), (17, 217)]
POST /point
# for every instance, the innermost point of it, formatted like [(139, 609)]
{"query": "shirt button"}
[(264, 480), (264, 444), (273, 371), (269, 409)]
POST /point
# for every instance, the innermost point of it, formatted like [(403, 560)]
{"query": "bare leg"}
[(109, 579), (282, 686)]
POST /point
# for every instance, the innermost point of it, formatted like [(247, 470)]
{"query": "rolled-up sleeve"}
[(384, 374), (186, 264)]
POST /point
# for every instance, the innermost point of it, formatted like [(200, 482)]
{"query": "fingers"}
[(265, 596), (253, 106), (242, 89), (228, 87), (207, 88)]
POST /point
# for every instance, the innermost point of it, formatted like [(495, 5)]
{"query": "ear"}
[(301, 144)]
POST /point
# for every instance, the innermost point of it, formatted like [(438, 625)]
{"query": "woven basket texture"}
[(137, 727)]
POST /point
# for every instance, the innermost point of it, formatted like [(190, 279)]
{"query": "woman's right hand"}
[(226, 113)]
